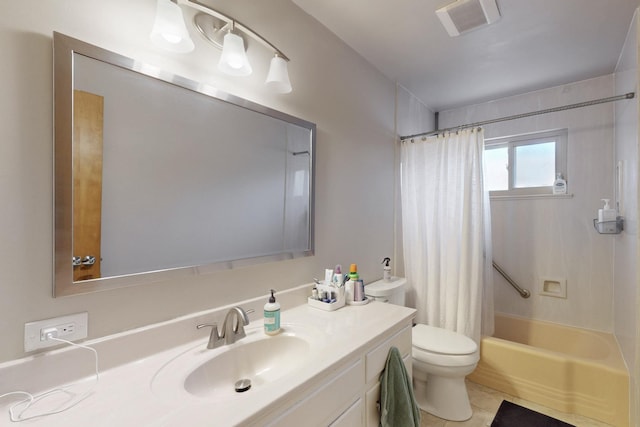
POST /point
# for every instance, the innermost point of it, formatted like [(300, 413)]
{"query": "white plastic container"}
[(559, 185), (386, 271), (606, 214), (607, 219)]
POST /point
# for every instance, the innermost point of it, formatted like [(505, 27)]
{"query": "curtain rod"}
[(629, 95)]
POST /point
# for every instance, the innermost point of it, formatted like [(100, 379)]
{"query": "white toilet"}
[(441, 359)]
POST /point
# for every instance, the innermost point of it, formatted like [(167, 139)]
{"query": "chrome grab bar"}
[(524, 293)]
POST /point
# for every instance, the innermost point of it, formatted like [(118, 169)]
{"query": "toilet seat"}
[(441, 347)]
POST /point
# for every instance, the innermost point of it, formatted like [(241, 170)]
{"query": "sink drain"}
[(243, 385)]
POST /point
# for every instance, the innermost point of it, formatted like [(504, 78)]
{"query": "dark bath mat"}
[(512, 415)]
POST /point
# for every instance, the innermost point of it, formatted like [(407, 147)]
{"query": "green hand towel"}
[(398, 406)]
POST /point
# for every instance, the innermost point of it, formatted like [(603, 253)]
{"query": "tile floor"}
[(485, 403)]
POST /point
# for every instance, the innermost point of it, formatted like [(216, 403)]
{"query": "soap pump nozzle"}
[(606, 203)]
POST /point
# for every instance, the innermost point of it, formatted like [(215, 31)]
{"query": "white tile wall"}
[(555, 237), (626, 245)]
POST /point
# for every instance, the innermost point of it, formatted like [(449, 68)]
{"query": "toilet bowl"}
[(441, 359)]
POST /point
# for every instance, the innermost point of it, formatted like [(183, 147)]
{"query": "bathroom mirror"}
[(158, 176)]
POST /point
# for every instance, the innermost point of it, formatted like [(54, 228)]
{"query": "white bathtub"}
[(569, 369)]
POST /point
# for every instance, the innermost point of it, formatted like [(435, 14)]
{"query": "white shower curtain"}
[(446, 228)]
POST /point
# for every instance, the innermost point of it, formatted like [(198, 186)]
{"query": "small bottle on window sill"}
[(559, 185)]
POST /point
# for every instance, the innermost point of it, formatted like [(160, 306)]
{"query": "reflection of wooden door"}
[(87, 182)]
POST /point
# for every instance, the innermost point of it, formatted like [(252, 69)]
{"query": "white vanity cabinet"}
[(375, 361), (337, 383), (349, 396)]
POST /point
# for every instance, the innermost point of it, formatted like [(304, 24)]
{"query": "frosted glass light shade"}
[(278, 76), (233, 60), (169, 30)]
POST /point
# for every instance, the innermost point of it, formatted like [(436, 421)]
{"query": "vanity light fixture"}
[(233, 60), (278, 76), (169, 31), (223, 32)]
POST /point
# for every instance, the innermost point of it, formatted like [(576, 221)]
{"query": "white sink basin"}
[(261, 362)]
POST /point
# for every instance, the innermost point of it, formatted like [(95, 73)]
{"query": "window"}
[(525, 164)]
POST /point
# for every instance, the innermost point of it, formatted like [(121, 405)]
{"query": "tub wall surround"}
[(538, 238), (625, 273), (324, 94)]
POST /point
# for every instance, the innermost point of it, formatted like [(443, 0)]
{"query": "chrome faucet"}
[(232, 328)]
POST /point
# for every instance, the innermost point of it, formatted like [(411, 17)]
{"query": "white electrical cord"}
[(31, 400)]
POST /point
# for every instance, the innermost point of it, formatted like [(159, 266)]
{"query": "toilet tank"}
[(393, 291)]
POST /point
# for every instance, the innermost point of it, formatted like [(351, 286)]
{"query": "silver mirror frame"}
[(64, 48)]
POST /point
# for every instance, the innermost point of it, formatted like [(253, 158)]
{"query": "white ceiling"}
[(536, 44)]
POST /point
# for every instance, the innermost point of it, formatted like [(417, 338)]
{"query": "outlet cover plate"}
[(32, 330)]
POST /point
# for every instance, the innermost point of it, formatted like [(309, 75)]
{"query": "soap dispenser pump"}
[(272, 316)]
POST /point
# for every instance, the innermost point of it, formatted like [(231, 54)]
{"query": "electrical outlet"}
[(72, 327), (59, 331)]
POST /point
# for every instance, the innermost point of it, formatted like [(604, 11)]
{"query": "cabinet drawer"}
[(376, 358), (321, 406), (352, 417)]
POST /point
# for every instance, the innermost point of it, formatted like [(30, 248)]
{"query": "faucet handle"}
[(215, 340), (205, 325)]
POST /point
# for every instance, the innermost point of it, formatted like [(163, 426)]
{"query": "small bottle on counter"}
[(349, 287), (386, 270), (272, 316), (358, 291)]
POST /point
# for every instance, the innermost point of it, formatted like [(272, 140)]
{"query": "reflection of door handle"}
[(87, 260)]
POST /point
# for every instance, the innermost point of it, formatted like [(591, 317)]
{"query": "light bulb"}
[(169, 30), (278, 76), (234, 60)]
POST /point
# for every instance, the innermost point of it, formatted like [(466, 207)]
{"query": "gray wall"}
[(351, 103)]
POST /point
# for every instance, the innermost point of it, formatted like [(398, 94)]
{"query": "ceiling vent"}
[(466, 15)]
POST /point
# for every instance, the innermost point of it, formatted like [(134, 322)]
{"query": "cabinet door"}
[(372, 398), (352, 417), (376, 358)]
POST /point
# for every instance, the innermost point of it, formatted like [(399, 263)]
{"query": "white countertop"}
[(124, 395)]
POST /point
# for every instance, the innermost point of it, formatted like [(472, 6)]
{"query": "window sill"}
[(531, 196)]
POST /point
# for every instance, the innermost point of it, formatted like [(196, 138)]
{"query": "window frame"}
[(560, 137)]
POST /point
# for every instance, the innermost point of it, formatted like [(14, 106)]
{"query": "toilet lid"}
[(438, 340), (385, 289)]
